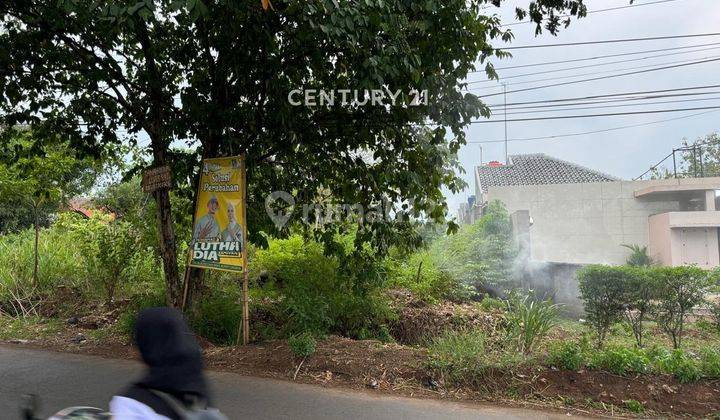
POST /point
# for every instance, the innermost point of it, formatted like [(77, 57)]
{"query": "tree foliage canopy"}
[(35, 180), (216, 74)]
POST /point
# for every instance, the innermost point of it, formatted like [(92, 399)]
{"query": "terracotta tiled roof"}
[(536, 169)]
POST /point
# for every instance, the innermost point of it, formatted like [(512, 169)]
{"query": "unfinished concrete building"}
[(566, 215)]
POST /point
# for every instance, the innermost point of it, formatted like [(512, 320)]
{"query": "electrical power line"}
[(547, 63), (578, 98), (597, 11), (572, 76), (515, 76), (609, 41), (602, 77), (613, 106), (622, 127), (609, 114), (615, 100)]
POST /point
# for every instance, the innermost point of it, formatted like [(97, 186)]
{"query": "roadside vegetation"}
[(448, 308), (456, 299), (415, 301)]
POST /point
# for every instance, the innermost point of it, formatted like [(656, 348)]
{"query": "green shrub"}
[(419, 274), (706, 325), (710, 362), (117, 244), (566, 355), (529, 320), (490, 304), (639, 256), (640, 291), (61, 260), (302, 345), (87, 255), (482, 254), (679, 290), (634, 406), (126, 321), (313, 292), (620, 360), (458, 356), (384, 335), (715, 313), (679, 364), (303, 279), (218, 319), (602, 288)]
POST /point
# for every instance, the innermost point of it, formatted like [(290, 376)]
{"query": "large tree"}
[(217, 73)]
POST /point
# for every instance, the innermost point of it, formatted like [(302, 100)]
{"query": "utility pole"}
[(505, 120), (674, 164), (481, 161)]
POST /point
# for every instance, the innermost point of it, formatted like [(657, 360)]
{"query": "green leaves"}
[(669, 294), (43, 175), (529, 320), (197, 9), (217, 75)]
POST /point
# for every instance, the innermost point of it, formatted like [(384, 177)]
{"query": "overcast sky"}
[(624, 153)]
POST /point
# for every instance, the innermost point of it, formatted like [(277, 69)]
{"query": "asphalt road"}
[(63, 380)]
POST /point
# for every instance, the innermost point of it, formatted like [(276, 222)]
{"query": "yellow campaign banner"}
[(218, 238)]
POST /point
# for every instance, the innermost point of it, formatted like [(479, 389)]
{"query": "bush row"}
[(666, 295), (684, 365)]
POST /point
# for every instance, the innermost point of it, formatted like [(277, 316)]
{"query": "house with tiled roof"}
[(534, 169), (568, 213)]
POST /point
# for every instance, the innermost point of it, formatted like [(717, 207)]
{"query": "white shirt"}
[(123, 408)]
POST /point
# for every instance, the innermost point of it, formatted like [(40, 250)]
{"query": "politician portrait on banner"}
[(218, 235)]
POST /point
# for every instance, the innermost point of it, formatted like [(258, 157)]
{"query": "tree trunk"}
[(195, 289), (111, 289), (37, 240), (160, 138), (168, 250)]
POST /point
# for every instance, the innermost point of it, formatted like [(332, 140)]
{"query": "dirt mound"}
[(337, 360), (419, 322), (658, 393)]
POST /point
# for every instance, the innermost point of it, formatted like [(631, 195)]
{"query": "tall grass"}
[(459, 356), (60, 261), (529, 320), (67, 253)]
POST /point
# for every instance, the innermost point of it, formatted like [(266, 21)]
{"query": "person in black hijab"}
[(174, 367)]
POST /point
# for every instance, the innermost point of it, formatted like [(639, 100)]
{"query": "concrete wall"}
[(587, 222), (660, 248), (556, 280)]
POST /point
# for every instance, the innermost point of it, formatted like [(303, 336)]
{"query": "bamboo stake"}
[(245, 325)]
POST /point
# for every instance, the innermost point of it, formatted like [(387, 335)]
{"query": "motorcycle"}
[(31, 404)]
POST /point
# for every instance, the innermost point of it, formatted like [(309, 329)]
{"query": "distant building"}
[(566, 213), (86, 208)]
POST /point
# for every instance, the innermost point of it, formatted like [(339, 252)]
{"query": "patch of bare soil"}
[(70, 304), (337, 361), (657, 393)]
